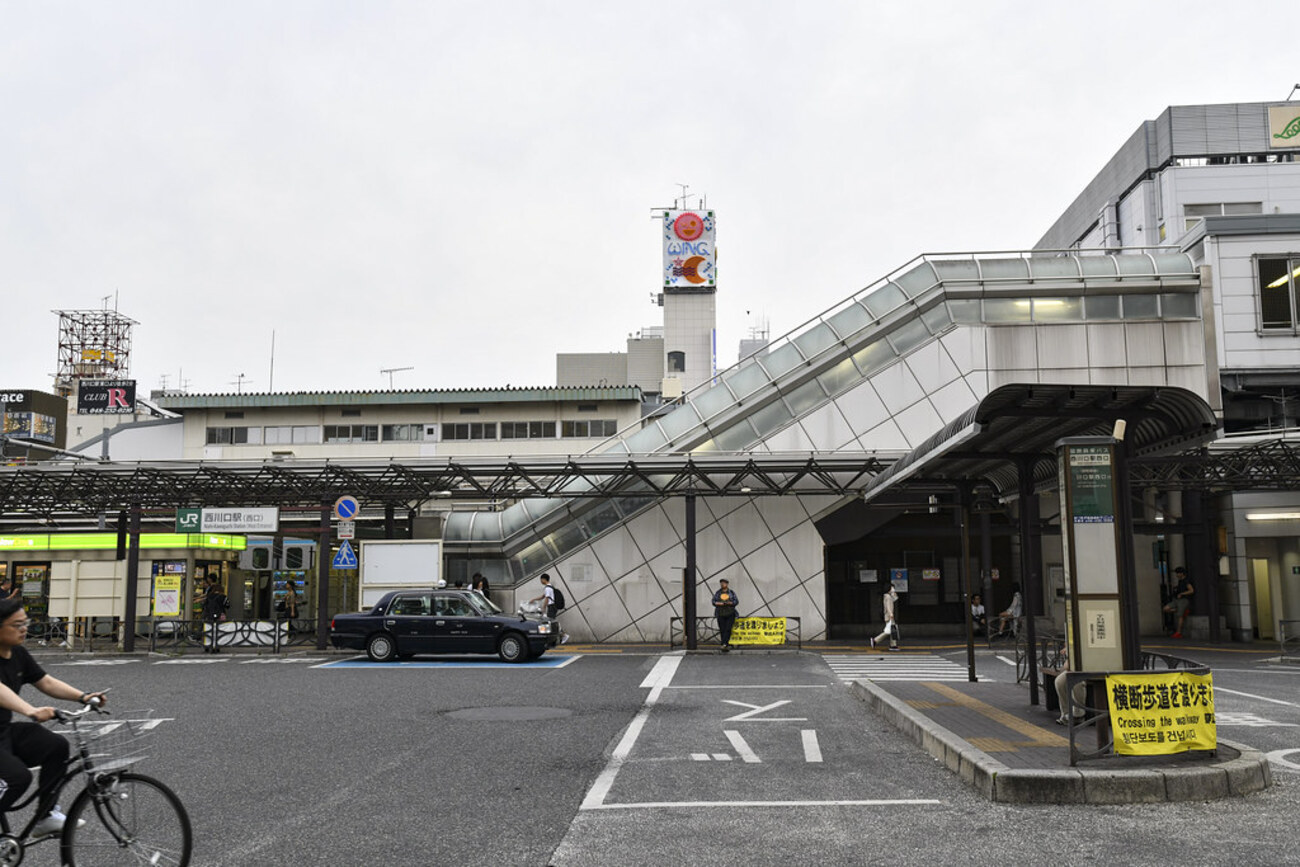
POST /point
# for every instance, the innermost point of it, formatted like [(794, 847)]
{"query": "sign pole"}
[(323, 578), (132, 581)]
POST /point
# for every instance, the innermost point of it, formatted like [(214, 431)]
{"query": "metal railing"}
[(182, 635), (1094, 711), (706, 632)]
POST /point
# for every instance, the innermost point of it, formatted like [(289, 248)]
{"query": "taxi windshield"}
[(485, 605)]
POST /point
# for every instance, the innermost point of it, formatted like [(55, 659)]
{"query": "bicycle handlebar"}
[(64, 716)]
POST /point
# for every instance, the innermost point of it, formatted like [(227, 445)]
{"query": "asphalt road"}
[(750, 758)]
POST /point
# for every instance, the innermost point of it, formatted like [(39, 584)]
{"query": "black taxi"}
[(404, 623)]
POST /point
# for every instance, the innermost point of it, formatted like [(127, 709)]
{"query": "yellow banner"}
[(1165, 712), (759, 630), (167, 595)]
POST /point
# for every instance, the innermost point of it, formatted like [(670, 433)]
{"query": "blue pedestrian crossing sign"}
[(346, 558)]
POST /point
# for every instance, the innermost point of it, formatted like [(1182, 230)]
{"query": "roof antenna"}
[(1292, 93)]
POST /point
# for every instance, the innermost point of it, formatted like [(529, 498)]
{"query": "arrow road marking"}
[(755, 710)]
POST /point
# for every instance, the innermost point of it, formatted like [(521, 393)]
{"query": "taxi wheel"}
[(512, 648), (381, 647)]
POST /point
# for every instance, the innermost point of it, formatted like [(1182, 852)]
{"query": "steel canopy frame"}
[(54, 490)]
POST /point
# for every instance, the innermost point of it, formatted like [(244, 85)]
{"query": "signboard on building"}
[(240, 520), (167, 595), (1284, 126), (106, 397), (690, 259)]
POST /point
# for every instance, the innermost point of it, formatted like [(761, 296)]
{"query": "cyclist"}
[(26, 744)]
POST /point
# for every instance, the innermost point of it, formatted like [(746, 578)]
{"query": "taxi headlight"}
[(544, 628)]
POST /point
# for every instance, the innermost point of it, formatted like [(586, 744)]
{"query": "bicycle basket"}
[(120, 740)]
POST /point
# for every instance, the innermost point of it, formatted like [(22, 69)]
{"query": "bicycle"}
[(120, 817)]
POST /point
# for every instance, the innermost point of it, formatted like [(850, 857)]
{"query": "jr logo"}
[(188, 520)]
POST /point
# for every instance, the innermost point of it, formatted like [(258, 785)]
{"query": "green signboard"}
[(1092, 485)]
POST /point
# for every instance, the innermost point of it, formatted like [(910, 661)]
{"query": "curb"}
[(1247, 773)]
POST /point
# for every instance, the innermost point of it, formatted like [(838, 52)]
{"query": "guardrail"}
[(1288, 631), (1052, 655), (1094, 711), (706, 632)]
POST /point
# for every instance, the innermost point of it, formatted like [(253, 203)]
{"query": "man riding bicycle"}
[(24, 745)]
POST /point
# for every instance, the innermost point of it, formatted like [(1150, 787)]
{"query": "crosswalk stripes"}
[(894, 666)]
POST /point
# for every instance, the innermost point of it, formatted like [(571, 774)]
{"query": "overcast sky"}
[(466, 188)]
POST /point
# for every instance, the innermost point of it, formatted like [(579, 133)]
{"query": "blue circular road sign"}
[(346, 508)]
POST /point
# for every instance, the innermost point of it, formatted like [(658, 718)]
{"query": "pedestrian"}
[(1012, 614), (480, 584), (215, 603), (891, 619), (724, 608), (8, 590), (25, 745), (289, 604), (547, 598), (979, 620), (1182, 601)]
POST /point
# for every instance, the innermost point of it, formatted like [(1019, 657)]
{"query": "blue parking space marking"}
[(547, 661)]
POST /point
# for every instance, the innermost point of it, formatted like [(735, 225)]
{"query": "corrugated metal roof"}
[(407, 397)]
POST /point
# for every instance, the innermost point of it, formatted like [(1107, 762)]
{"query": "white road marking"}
[(742, 748), (896, 667), (721, 757), (750, 686), (696, 805), (755, 710), (812, 751), (1010, 662), (195, 661), (658, 678), (1279, 757), (94, 662), (264, 660), (1260, 697), (1249, 719)]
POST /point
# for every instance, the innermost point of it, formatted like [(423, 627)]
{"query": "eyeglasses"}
[(17, 624)]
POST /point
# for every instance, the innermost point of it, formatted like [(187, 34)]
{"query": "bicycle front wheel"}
[(127, 819)]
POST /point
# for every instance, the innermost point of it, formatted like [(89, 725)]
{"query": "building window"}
[(233, 436), (286, 434), (593, 428), (235, 414), (1192, 213), (469, 410), (406, 433), (676, 362), (469, 431), (351, 433), (351, 413), (527, 430), (1278, 279)]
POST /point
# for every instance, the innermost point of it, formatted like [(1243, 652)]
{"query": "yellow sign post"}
[(759, 630), (1161, 712)]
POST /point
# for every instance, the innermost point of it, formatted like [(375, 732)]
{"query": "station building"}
[(1176, 268), (1175, 271)]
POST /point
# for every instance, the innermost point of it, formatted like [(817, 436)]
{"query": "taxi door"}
[(409, 621), (454, 623)]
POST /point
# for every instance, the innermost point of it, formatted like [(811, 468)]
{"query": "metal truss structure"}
[(53, 490), (1273, 465)]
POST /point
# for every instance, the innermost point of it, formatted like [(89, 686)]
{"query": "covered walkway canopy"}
[(1015, 427)]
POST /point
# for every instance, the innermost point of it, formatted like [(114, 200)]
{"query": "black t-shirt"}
[(18, 669)]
